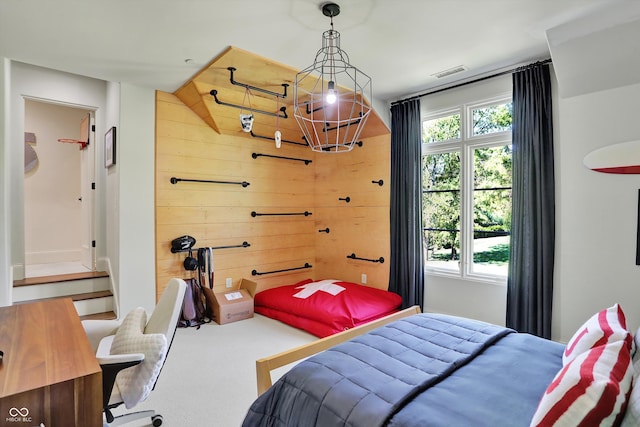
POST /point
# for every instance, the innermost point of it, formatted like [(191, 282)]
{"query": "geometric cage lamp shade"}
[(331, 96)]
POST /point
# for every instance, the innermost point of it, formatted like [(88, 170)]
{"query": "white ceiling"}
[(399, 43)]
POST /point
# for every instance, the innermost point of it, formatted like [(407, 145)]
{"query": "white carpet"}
[(209, 377)]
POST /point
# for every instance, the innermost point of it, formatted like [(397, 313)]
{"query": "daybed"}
[(325, 307), (437, 370)]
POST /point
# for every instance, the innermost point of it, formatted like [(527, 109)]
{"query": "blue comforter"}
[(365, 381)]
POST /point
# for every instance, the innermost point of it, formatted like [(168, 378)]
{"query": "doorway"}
[(58, 196)]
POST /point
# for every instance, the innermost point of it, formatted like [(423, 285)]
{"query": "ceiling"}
[(163, 43)]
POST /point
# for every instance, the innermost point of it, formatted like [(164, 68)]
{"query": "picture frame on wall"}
[(110, 147)]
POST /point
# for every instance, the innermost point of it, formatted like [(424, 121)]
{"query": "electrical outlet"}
[(363, 279), (229, 282)]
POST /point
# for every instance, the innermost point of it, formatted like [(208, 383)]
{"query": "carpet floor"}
[(209, 377)]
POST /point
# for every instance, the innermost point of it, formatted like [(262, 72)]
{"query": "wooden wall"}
[(220, 214)]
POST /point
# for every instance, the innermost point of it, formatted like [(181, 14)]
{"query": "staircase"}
[(89, 291)]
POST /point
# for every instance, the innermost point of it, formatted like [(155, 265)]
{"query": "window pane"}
[(441, 129), (441, 209), (491, 210), (491, 119)]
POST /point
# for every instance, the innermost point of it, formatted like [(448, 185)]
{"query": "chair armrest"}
[(111, 366), (116, 359), (98, 329)]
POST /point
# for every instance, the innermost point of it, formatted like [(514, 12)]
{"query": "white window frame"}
[(466, 146)]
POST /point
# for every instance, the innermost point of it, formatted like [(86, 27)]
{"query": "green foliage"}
[(495, 118), (498, 254), (441, 184), (441, 201), (442, 129)]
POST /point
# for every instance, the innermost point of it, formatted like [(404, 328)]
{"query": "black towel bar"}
[(353, 256), (243, 245), (358, 143), (175, 180), (256, 155), (258, 273), (305, 213), (214, 93), (326, 127), (273, 139), (259, 89)]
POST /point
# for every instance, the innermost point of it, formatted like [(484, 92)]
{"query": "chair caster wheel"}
[(156, 420)]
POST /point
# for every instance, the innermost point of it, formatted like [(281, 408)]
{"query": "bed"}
[(422, 369), (325, 307)]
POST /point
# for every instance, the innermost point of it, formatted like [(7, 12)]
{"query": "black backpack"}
[(193, 308)]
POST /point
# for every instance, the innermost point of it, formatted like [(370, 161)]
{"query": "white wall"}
[(52, 211), (6, 271), (596, 213), (28, 81), (125, 246), (450, 295), (136, 212), (596, 223)]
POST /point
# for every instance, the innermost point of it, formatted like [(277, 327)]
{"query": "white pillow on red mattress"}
[(606, 326), (590, 390)]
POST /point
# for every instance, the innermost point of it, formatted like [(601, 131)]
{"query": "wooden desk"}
[(49, 373)]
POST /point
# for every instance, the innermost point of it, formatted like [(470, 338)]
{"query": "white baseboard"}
[(47, 257)]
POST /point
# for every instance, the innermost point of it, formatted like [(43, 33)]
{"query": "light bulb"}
[(331, 93)]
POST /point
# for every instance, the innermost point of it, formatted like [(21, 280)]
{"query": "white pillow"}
[(606, 326), (590, 390), (135, 383)]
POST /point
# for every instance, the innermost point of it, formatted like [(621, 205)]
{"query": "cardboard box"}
[(231, 306)]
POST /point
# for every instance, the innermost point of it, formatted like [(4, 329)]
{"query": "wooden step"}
[(75, 297), (29, 281), (90, 292), (109, 315)]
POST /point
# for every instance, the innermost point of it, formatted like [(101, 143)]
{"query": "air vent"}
[(450, 71)]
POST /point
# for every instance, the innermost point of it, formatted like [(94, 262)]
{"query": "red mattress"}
[(325, 307)]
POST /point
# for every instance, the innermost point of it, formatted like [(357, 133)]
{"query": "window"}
[(466, 183)]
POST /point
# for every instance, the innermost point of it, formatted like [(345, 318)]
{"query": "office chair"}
[(132, 352)]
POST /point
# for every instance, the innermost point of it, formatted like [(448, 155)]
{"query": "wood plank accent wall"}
[(220, 215)]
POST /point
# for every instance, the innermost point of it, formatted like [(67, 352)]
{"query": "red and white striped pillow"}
[(604, 327), (590, 390)]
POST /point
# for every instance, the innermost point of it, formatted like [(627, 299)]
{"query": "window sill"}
[(476, 278)]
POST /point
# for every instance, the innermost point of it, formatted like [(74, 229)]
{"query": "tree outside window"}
[(466, 172)]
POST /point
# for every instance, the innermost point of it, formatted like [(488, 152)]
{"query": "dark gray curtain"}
[(530, 281), (406, 275)]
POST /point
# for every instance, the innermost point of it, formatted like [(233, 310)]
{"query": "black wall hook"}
[(346, 199), (379, 182), (326, 230)]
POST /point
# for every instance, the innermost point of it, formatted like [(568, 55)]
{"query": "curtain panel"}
[(406, 271), (530, 279)]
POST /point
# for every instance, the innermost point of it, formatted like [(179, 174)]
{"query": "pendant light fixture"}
[(331, 97)]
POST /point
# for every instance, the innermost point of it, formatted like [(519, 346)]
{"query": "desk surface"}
[(44, 344)]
